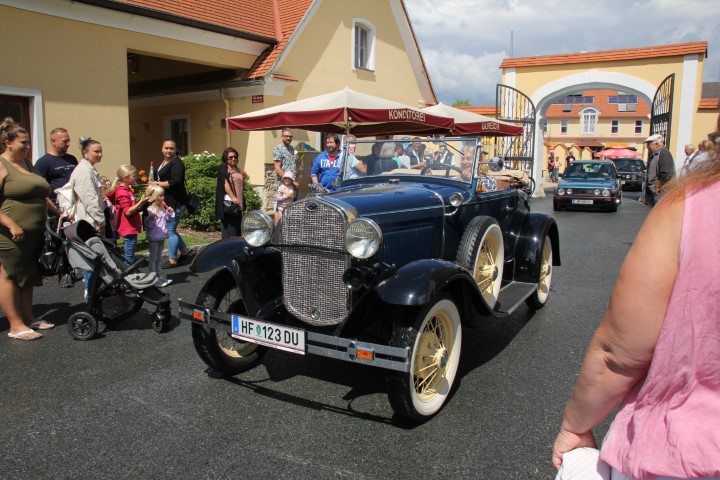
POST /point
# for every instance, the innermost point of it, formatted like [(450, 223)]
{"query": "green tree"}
[(461, 103)]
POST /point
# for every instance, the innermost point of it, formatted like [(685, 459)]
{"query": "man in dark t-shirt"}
[(56, 165)]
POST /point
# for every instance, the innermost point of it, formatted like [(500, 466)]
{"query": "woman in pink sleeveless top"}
[(657, 350)]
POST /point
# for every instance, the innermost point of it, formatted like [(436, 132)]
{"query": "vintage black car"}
[(631, 172), (589, 184), (386, 272)]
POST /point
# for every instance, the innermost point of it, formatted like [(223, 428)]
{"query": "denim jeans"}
[(175, 242), (130, 246), (155, 249)]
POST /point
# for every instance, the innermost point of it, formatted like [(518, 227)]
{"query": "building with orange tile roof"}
[(133, 72), (550, 82)]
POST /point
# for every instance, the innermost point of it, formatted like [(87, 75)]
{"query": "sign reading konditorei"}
[(405, 114)]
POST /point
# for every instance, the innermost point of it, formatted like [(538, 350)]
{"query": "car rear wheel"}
[(539, 297), (435, 339), (482, 252), (217, 348)]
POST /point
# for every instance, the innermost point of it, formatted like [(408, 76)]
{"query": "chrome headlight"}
[(596, 191), (569, 191), (606, 193), (561, 191), (456, 199), (363, 238), (257, 228)]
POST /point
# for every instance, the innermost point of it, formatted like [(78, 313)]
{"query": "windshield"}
[(590, 170), (452, 158), (629, 164)]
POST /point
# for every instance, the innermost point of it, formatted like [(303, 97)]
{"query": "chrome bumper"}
[(384, 356)]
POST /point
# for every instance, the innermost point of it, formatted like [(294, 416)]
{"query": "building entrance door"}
[(18, 108)]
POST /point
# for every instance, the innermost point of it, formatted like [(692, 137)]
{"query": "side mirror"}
[(495, 164)]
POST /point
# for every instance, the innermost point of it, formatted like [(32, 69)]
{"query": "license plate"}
[(622, 182), (273, 336), (582, 202)]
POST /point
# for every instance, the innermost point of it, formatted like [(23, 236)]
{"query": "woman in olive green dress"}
[(23, 210)]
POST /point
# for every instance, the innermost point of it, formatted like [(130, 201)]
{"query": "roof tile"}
[(608, 55), (250, 16)]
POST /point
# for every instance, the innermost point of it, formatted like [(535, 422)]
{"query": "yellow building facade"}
[(638, 71), (131, 80)]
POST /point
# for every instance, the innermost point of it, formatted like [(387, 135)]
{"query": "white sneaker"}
[(163, 283)]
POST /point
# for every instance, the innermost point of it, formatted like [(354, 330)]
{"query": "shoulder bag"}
[(230, 208), (193, 202)]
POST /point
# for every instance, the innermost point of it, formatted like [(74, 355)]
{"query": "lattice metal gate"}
[(661, 113), (515, 107)]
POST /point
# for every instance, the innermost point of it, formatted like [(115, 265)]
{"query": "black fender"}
[(257, 271), (417, 283), (528, 251)]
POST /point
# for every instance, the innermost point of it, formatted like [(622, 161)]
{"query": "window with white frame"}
[(638, 127), (563, 127), (363, 45), (614, 127), (589, 121)]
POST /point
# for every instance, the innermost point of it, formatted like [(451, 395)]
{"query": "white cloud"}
[(464, 41)]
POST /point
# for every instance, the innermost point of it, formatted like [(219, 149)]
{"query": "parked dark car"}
[(385, 272), (589, 184), (631, 172)]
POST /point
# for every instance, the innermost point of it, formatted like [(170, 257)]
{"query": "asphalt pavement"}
[(133, 403)]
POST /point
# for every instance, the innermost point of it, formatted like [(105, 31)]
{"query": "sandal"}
[(24, 335), (42, 325)]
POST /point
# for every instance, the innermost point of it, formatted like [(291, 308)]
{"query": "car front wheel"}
[(435, 339), (215, 347), (483, 253)]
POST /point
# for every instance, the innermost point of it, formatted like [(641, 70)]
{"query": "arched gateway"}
[(668, 77)]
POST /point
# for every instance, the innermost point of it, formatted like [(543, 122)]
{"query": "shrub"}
[(201, 179)]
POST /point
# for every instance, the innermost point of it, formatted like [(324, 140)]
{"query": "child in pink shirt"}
[(127, 210)]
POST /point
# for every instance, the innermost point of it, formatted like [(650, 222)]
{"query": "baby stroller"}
[(115, 292)]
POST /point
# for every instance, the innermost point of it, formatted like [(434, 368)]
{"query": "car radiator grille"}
[(312, 277)]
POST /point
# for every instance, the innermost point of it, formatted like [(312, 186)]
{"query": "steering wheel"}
[(446, 166)]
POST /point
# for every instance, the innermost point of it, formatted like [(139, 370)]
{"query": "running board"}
[(512, 295)]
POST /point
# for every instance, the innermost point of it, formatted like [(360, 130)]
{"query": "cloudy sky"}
[(464, 41)]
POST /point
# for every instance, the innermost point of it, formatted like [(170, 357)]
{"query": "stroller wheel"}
[(159, 322), (82, 326)]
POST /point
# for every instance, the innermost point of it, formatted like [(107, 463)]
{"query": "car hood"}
[(585, 183), (369, 200)]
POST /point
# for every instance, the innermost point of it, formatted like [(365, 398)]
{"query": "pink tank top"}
[(669, 424)]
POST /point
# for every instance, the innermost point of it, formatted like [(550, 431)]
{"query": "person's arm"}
[(16, 233), (229, 192), (360, 166), (619, 354), (130, 209), (278, 168), (52, 207), (315, 170)]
